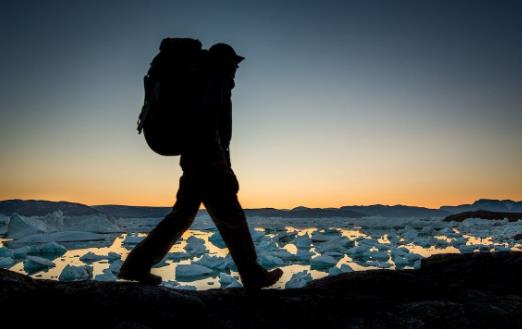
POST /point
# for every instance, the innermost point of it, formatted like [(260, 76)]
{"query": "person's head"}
[(225, 56)]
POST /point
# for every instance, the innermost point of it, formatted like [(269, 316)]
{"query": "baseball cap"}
[(222, 50)]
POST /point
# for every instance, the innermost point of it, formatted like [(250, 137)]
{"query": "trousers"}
[(218, 192)]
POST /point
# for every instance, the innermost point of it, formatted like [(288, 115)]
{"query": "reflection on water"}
[(436, 244)]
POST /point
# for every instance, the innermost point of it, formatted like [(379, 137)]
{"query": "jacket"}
[(212, 123)]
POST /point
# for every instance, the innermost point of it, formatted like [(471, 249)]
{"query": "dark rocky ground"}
[(479, 290)]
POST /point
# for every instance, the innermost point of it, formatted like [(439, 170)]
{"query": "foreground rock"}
[(449, 291)]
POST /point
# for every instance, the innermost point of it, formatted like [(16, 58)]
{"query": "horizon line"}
[(246, 208)]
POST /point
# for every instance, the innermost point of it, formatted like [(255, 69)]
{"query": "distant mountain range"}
[(42, 208)]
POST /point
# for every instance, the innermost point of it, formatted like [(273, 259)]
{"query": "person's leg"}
[(159, 241), (219, 195)]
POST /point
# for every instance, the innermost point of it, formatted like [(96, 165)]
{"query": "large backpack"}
[(172, 86)]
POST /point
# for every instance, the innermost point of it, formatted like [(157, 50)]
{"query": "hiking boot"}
[(142, 277), (268, 279)]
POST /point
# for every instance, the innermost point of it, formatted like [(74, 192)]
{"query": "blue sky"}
[(337, 102)]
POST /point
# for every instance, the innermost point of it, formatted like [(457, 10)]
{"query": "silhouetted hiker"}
[(208, 178)]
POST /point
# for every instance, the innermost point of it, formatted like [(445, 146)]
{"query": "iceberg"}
[(217, 240), (256, 235), (303, 255), (4, 222), (227, 281), (359, 252), (34, 264), (324, 236), (21, 252), (170, 284), (98, 223), (344, 268), (195, 246), (112, 256), (192, 271), (65, 236), (19, 226), (75, 273), (303, 241), (213, 262), (469, 248), (132, 239), (283, 254), (178, 255), (48, 249), (269, 261), (502, 248), (92, 257), (299, 280), (323, 261), (284, 237), (381, 256), (115, 266), (339, 244), (188, 288), (6, 252), (107, 276), (266, 244), (6, 262)]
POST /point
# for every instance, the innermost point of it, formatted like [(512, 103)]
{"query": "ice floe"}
[(92, 257), (323, 261), (299, 280), (6, 252), (115, 266), (195, 246), (34, 264), (303, 241), (75, 273), (192, 270), (20, 226), (344, 268), (107, 275), (6, 262), (132, 239), (217, 240), (65, 236), (213, 262), (47, 249), (228, 281)]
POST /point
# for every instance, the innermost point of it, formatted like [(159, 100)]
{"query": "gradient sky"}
[(344, 102)]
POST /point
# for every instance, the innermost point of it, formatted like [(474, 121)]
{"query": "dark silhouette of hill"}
[(41, 208)]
